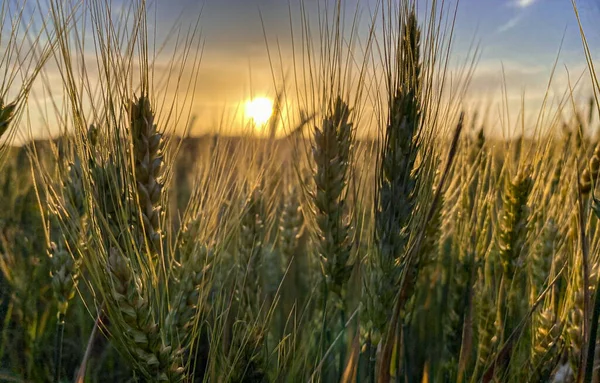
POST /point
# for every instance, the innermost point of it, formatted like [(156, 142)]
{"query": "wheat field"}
[(429, 251)]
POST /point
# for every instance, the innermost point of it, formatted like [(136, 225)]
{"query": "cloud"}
[(516, 19), (491, 74), (510, 24), (523, 3)]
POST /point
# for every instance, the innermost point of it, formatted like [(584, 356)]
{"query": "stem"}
[(5, 324), (343, 348), (329, 350), (586, 282), (372, 358), (324, 337), (60, 331), (589, 365), (88, 350), (402, 364)]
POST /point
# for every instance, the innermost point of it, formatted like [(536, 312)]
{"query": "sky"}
[(518, 44), (247, 50)]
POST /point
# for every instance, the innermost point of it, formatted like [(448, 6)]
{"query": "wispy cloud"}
[(523, 3), (510, 24)]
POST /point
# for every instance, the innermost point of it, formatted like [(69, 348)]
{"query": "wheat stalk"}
[(395, 199)]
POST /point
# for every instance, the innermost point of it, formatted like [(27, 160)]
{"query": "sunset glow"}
[(259, 110)]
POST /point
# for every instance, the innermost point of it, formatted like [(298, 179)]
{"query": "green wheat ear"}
[(148, 157), (65, 273), (333, 144), (6, 115)]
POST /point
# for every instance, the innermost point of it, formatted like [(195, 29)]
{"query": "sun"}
[(259, 110)]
